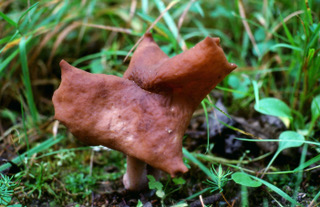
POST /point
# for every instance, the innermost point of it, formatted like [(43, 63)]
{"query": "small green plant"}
[(65, 157), (139, 204), (7, 188), (38, 179), (218, 179), (274, 107), (160, 190), (244, 179), (156, 185), (287, 139), (240, 86), (79, 184)]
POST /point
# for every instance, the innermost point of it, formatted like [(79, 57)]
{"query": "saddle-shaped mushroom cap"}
[(145, 113)]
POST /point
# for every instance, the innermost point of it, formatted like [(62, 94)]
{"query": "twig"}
[(287, 18), (183, 15), (274, 198), (227, 161), (60, 38), (201, 201), (312, 204), (247, 27), (180, 22), (43, 43), (150, 27), (224, 198), (114, 29), (233, 202), (132, 9)]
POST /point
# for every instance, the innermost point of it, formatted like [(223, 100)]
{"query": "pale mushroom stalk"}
[(135, 178)]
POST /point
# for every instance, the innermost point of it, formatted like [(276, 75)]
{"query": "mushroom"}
[(145, 113)]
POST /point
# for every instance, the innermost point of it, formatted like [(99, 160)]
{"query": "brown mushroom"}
[(145, 113)]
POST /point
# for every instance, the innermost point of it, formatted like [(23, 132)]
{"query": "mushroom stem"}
[(135, 178)]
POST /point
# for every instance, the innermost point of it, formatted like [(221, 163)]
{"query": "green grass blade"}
[(300, 173), (164, 30), (26, 12), (232, 90), (207, 122), (315, 36), (271, 161), (224, 113), (197, 162), (63, 10), (195, 195), (287, 31), (206, 101), (199, 8), (315, 198), (3, 64), (283, 45), (201, 28), (275, 189), (11, 38), (8, 19), (5, 40), (99, 55), (276, 140), (63, 151), (144, 6), (308, 15), (169, 21), (308, 163), (26, 80), (256, 92), (24, 125), (39, 148)]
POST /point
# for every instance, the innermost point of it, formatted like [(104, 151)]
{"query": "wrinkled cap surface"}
[(145, 113)]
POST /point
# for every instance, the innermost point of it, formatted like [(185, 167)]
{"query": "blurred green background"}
[(274, 43)]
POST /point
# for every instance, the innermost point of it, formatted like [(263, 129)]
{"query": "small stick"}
[(181, 19), (114, 29), (287, 18), (201, 201), (132, 9), (224, 198), (151, 26), (247, 27)]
